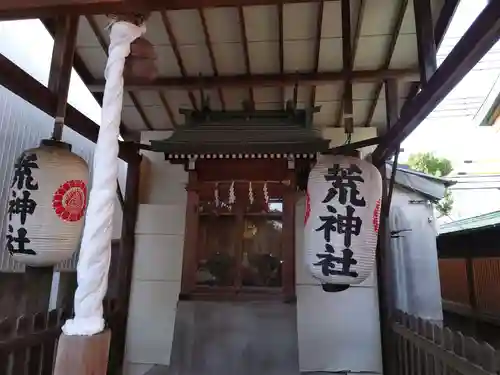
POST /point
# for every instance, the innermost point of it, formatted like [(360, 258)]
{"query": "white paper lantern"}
[(46, 207), (342, 219)]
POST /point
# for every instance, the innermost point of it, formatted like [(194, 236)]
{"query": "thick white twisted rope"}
[(95, 251)]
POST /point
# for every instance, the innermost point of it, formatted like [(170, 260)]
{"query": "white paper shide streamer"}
[(342, 219), (95, 252)]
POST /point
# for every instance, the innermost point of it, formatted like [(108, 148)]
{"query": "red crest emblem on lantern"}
[(70, 200)]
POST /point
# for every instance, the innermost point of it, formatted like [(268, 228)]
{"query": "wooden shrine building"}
[(219, 144)]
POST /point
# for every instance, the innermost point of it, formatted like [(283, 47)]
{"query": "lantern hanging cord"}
[(348, 139), (95, 252)]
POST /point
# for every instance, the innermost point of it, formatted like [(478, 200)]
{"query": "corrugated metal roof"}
[(473, 223)]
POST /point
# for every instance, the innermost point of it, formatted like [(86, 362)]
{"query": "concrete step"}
[(158, 370), (234, 338)]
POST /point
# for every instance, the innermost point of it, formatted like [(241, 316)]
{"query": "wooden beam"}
[(317, 48), (246, 54), (281, 50), (476, 42), (66, 29), (391, 102), (256, 80), (347, 105), (208, 43), (443, 22), (355, 42), (177, 53), (426, 45), (25, 86), (390, 51), (23, 9), (168, 109), (392, 114)]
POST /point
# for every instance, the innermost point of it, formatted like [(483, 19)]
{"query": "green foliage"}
[(427, 162)]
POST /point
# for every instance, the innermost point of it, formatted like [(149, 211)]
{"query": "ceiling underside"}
[(211, 42)]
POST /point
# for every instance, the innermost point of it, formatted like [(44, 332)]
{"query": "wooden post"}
[(347, 57), (425, 40), (37, 285), (383, 281), (289, 201), (192, 222), (471, 286), (83, 355), (126, 256), (61, 67)]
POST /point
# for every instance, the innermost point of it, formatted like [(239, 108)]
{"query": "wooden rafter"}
[(442, 24), (444, 19), (104, 45), (317, 48), (476, 42), (391, 99), (256, 80), (208, 43), (177, 53), (25, 86), (140, 110), (390, 51), (426, 45), (66, 29), (168, 109), (244, 43), (347, 106), (355, 42), (22, 9), (281, 49)]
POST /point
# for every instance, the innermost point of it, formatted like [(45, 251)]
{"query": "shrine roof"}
[(244, 135)]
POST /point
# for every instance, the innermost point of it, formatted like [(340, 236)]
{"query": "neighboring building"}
[(415, 278)]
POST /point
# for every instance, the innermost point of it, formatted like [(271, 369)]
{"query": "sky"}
[(450, 131)]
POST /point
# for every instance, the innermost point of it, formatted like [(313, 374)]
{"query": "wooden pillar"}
[(126, 256), (66, 30), (37, 286), (425, 40), (83, 355), (384, 267), (189, 263), (289, 201), (471, 286), (347, 64), (384, 282)]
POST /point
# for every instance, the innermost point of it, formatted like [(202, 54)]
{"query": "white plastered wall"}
[(157, 264), (336, 331)]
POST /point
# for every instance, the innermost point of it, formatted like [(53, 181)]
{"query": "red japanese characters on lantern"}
[(46, 206), (340, 237)]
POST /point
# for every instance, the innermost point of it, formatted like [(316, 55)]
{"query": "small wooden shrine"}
[(246, 134)]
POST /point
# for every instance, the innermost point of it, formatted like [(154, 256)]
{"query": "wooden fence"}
[(422, 348), (28, 344)]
